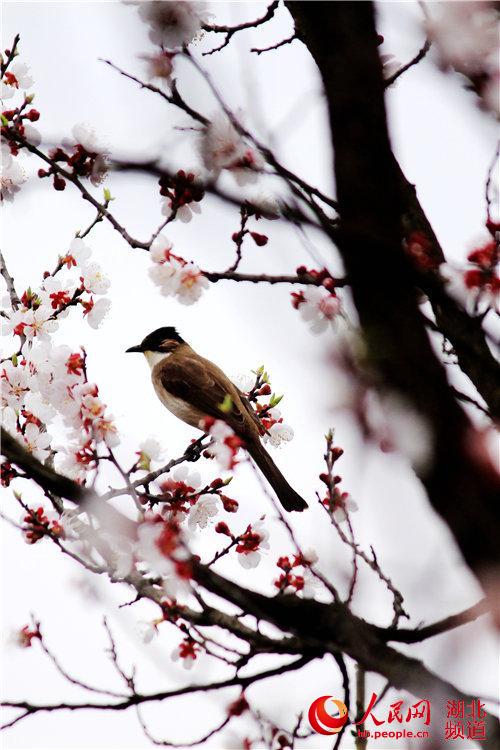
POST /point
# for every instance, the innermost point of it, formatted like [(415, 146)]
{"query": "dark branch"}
[(138, 698), (288, 40), (342, 39), (229, 31), (441, 626), (419, 56), (61, 486)]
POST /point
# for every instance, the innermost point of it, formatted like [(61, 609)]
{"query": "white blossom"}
[(147, 630), (85, 135), (14, 385), (192, 283), (206, 508), (98, 313), (319, 308), (279, 433), (183, 213), (80, 251), (173, 24), (38, 406), (187, 661), (345, 505), (37, 323), (252, 558), (123, 563), (17, 78), (32, 135), (310, 556), (222, 147), (159, 67), (311, 585), (244, 382), (12, 176), (94, 279), (152, 448), (466, 35), (190, 478), (148, 550), (36, 442)]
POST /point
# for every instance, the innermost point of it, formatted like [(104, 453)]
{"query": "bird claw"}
[(193, 452)]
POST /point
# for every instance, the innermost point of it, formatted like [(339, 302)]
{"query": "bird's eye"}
[(167, 345)]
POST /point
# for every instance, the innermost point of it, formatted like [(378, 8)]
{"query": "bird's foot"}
[(193, 452)]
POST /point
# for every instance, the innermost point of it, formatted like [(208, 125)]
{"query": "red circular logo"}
[(323, 722)]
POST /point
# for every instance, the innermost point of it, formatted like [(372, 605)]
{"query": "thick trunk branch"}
[(462, 488)]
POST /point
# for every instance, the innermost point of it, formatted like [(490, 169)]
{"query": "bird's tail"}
[(287, 496)]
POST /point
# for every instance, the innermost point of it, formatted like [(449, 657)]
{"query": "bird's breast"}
[(177, 406)]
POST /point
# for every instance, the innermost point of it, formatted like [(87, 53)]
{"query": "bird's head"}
[(158, 344)]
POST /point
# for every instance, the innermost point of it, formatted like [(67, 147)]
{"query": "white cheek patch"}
[(154, 358)]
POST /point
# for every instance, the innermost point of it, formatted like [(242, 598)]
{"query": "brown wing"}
[(250, 411), (204, 386)]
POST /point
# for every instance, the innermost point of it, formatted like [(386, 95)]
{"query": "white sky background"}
[(444, 145)]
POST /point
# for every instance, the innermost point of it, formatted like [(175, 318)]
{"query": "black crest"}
[(153, 342)]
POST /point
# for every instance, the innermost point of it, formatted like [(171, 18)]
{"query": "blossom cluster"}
[(222, 147), (183, 497), (48, 381), (83, 156), (16, 120), (319, 305), (174, 275), (338, 503), (36, 318), (476, 286), (161, 548), (274, 429), (172, 25), (290, 581), (183, 191), (466, 37), (25, 636), (419, 249), (225, 444), (38, 522), (251, 543)]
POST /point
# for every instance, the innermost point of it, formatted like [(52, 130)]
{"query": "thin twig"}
[(229, 31), (419, 56), (288, 40)]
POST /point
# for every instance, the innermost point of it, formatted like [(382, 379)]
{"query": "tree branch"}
[(342, 39), (405, 635), (229, 31)]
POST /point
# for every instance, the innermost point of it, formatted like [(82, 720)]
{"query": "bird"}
[(194, 388)]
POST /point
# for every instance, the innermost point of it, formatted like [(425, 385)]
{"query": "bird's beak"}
[(134, 349)]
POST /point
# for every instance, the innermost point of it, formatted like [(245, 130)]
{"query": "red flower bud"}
[(59, 183), (259, 239), (33, 115), (230, 505), (223, 528)]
